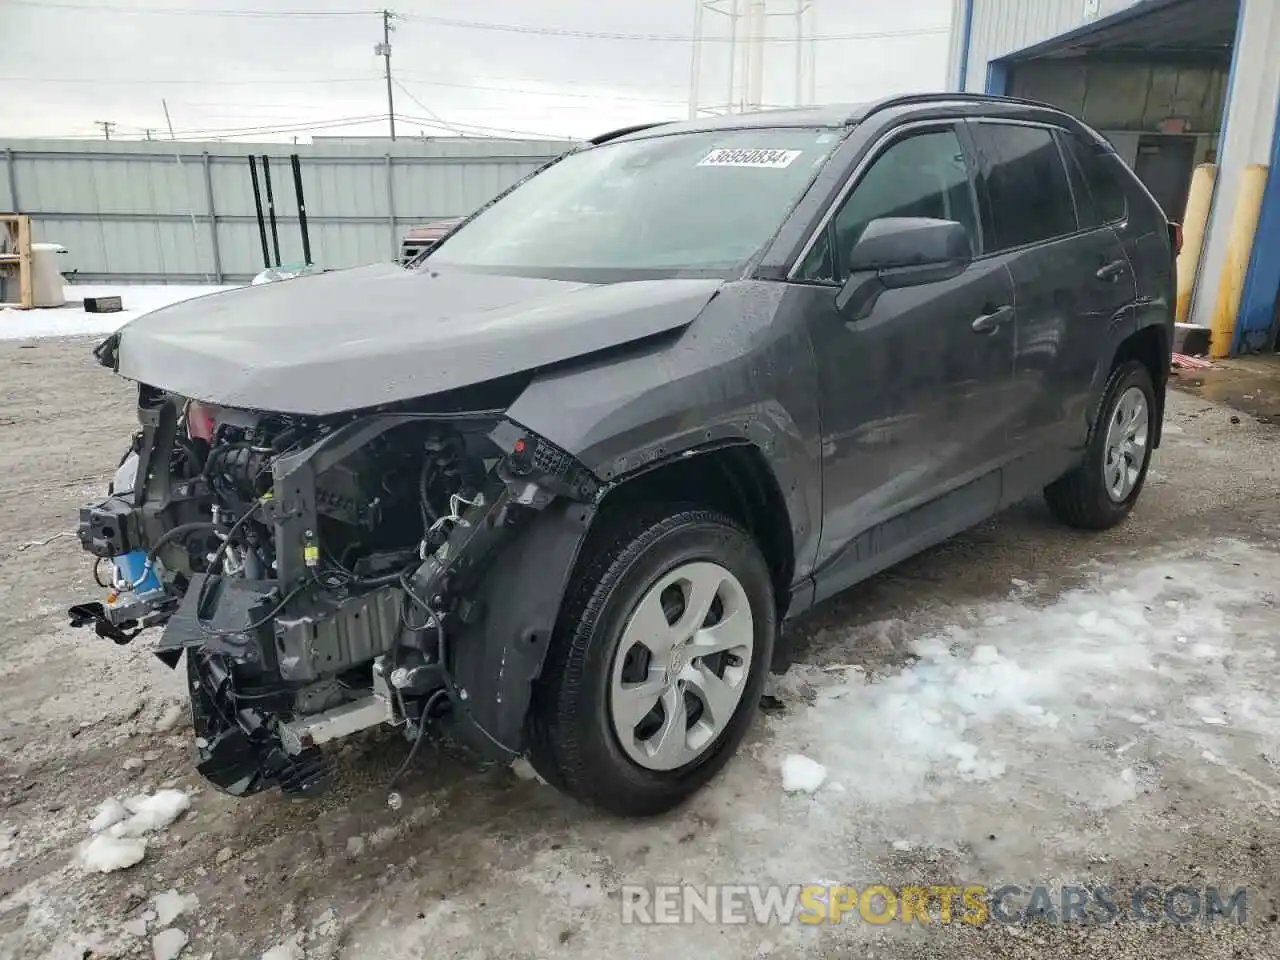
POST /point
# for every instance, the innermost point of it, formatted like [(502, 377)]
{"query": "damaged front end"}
[(328, 574)]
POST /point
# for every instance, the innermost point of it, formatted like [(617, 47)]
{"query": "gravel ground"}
[(1023, 705)]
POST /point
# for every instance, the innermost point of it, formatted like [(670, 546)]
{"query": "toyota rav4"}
[(554, 490)]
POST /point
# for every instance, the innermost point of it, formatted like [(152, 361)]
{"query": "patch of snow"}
[(137, 927), (110, 812), (73, 321), (169, 719), (168, 944), (106, 854), (285, 951), (982, 698), (151, 813), (171, 904), (801, 775)]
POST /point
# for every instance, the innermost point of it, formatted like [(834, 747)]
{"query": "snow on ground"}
[(72, 320), (1038, 734)]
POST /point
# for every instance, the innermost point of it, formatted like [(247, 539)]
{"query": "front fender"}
[(744, 371), (497, 656)]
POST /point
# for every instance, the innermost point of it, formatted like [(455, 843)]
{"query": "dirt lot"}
[(1022, 706)]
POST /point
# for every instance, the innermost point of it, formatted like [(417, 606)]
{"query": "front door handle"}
[(1111, 271), (991, 322)]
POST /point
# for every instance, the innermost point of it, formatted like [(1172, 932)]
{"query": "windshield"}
[(667, 205)]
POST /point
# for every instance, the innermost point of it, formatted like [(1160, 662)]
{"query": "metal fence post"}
[(213, 219), (12, 167), (391, 213)]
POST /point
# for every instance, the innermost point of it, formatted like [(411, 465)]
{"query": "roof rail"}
[(909, 99), (624, 131)]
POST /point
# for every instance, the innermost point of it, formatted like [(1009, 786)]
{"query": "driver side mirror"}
[(897, 252)]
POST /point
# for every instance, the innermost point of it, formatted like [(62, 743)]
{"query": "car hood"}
[(350, 339)]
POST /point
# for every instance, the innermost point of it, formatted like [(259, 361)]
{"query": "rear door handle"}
[(1111, 271), (991, 322)]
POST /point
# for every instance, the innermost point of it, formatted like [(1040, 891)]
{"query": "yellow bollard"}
[(1244, 224), (1194, 223)]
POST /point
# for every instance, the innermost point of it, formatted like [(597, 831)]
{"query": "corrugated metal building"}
[(175, 212), (1172, 84)]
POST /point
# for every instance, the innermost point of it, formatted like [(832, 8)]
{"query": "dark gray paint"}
[(358, 338), (884, 433), (743, 371)]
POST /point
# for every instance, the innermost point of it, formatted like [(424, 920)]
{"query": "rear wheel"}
[(1102, 490), (657, 666)]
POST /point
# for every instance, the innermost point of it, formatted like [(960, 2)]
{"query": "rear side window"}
[(1026, 184), (1100, 193)]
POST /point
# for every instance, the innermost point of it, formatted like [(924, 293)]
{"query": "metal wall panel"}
[(1000, 27), (1246, 139), (185, 212)]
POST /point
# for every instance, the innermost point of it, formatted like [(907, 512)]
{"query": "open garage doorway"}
[(1153, 79)]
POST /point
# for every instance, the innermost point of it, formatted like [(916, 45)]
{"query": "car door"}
[(1071, 278), (909, 391)]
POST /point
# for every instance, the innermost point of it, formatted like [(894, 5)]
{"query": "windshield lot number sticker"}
[(739, 157)]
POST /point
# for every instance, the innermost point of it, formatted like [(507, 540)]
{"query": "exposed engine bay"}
[(320, 573)]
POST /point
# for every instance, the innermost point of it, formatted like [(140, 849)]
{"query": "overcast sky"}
[(65, 64)]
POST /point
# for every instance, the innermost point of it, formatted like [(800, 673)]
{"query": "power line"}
[(189, 11), (540, 93), (472, 130), (300, 126), (154, 81), (665, 37), (424, 107)]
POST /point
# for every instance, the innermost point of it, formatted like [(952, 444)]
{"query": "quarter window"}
[(1101, 195), (1026, 184), (921, 175)]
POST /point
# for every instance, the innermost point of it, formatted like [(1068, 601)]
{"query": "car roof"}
[(829, 115)]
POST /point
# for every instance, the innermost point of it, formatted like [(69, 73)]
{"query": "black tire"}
[(1080, 498), (572, 741)]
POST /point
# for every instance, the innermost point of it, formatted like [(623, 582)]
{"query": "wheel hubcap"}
[(1126, 444), (681, 666)]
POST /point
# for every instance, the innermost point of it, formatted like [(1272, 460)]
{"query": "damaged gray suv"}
[(553, 490)]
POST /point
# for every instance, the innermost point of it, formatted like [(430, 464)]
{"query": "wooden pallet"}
[(15, 259)]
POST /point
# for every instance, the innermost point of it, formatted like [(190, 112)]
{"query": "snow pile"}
[(111, 812), (288, 950), (171, 904), (993, 692), (801, 775), (120, 829), (106, 854), (72, 320), (168, 944), (152, 813)]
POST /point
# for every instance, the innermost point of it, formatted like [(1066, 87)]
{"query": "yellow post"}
[(1244, 224), (1194, 223)]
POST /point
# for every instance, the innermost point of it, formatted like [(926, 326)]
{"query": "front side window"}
[(920, 175), (680, 204), (1027, 185)]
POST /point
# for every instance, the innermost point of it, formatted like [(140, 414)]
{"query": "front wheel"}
[(1101, 491), (654, 673)]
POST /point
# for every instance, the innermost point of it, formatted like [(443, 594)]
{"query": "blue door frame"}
[(1256, 321)]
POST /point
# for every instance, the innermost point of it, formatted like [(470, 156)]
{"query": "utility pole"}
[(383, 50), (106, 125), (147, 132)]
